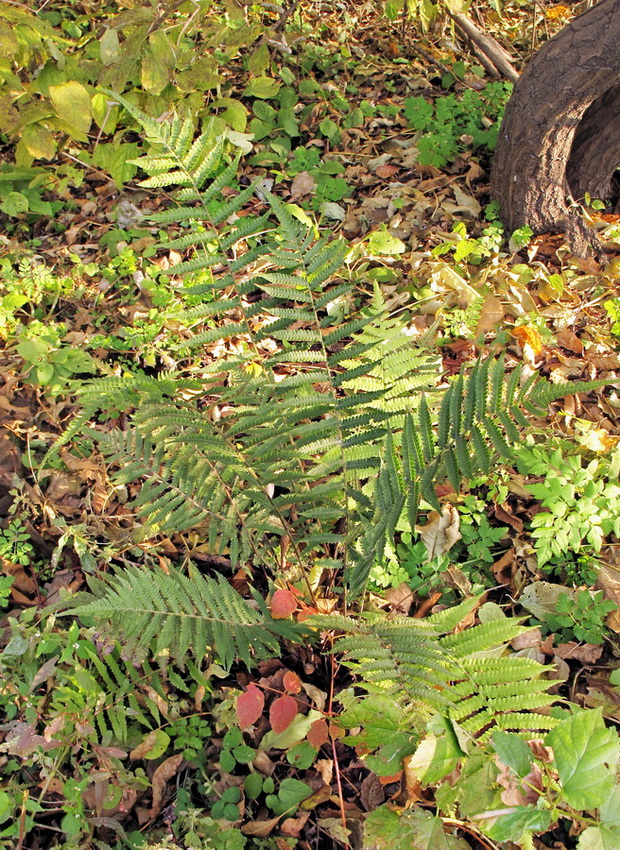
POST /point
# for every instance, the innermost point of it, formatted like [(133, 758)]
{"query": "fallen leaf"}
[(441, 531), (166, 770), (260, 828), (371, 792), (249, 707), (528, 336), (587, 653), (303, 184), (609, 582)]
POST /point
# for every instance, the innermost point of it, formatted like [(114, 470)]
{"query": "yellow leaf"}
[(72, 103)]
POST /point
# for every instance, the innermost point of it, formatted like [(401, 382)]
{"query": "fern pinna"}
[(312, 434)]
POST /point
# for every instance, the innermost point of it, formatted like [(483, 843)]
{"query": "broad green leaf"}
[(295, 732), (586, 753), (109, 47), (14, 204), (263, 87), (39, 142), (72, 103), (382, 242), (154, 76), (259, 60), (290, 794), (234, 112), (609, 812), (513, 752), (599, 838), (523, 819), (117, 160), (434, 758), (414, 829)]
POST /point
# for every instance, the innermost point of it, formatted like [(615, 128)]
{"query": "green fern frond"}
[(183, 615)]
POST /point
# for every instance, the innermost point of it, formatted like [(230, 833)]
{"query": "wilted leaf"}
[(282, 712), (152, 746), (527, 335), (441, 531), (166, 770), (283, 604), (250, 705), (303, 184)]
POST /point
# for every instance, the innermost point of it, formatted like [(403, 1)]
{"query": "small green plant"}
[(581, 616), (454, 122), (15, 545), (581, 504), (234, 751), (409, 563)]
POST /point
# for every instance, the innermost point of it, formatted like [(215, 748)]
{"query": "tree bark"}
[(577, 69)]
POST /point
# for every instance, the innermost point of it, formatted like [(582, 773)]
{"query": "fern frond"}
[(185, 615)]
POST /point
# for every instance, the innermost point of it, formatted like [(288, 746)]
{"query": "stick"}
[(491, 48)]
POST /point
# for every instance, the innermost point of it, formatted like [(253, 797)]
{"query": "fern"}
[(327, 440), (158, 613), (464, 675)]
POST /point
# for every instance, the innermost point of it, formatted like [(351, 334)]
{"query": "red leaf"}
[(291, 682), (250, 705), (318, 733), (282, 712), (283, 604)]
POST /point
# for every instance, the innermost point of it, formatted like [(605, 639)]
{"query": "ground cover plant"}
[(308, 475)]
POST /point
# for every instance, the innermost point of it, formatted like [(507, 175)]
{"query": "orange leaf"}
[(250, 705), (283, 604), (318, 734), (282, 712), (526, 335), (291, 682)]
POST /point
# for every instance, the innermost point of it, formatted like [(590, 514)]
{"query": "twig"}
[(286, 14), (491, 48)]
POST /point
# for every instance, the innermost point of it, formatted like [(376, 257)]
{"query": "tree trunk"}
[(554, 137)]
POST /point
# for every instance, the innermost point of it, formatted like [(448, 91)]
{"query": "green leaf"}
[(263, 87), (586, 752), (523, 819), (513, 752), (39, 142), (162, 739), (599, 838), (117, 160), (290, 795), (234, 112), (609, 812), (259, 60), (14, 204), (109, 47), (435, 758), (72, 103), (382, 242)]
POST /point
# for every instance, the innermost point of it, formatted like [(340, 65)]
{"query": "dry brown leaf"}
[(609, 582), (144, 746), (587, 653), (371, 793), (400, 598), (492, 314), (166, 770), (441, 531), (528, 336), (302, 185), (260, 828)]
